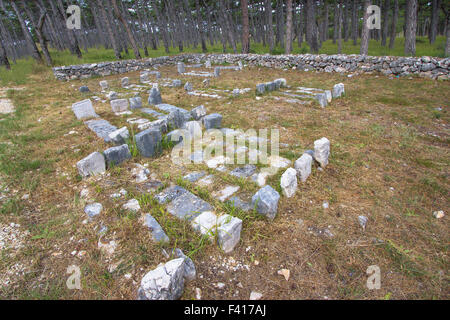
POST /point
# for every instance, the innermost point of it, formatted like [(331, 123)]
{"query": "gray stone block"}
[(154, 97), (101, 128), (338, 90), (84, 109), (194, 176), (176, 83), (116, 155), (188, 206), (244, 172), (119, 136), (238, 203), (91, 165), (228, 232), (198, 112), (119, 105), (149, 142), (303, 166), (181, 67), (135, 103), (266, 201), (212, 121), (260, 88), (322, 151), (169, 194), (166, 282), (84, 89), (158, 233), (125, 81)]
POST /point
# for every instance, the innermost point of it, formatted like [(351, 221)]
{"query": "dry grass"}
[(389, 161)]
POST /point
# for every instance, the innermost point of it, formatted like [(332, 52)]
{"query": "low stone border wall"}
[(430, 67)]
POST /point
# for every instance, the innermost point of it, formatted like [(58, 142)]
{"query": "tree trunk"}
[(288, 41), (3, 57), (29, 39), (447, 34), (394, 25), (340, 18), (109, 29), (355, 22), (311, 27), (245, 31), (434, 20), (345, 25), (127, 29), (268, 4), (365, 31), (410, 27), (384, 35), (335, 22)]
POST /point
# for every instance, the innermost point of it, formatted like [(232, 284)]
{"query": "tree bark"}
[(311, 27), (127, 29), (394, 25), (340, 18), (29, 39), (355, 22), (288, 41), (245, 28), (109, 29), (434, 20), (3, 57), (384, 35), (365, 31), (268, 9), (410, 27)]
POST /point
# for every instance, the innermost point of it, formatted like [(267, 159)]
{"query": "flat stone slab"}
[(158, 233), (169, 194), (188, 206), (240, 204), (244, 172), (194, 176), (101, 128), (205, 223), (154, 113), (91, 165), (150, 186), (84, 109), (6, 106), (225, 193), (206, 181)]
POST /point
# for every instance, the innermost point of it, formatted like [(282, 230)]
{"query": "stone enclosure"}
[(430, 67), (180, 127)]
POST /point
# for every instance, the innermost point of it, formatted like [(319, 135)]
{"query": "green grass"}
[(20, 71)]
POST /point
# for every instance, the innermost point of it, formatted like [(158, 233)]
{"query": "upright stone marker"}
[(148, 142), (119, 105), (154, 97), (84, 109), (181, 68), (322, 151)]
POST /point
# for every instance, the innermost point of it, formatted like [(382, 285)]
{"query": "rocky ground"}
[(376, 202)]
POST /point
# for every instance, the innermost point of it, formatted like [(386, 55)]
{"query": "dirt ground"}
[(389, 162)]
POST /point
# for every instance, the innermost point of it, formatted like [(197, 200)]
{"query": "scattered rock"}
[(93, 209)]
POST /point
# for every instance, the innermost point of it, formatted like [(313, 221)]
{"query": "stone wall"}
[(430, 67)]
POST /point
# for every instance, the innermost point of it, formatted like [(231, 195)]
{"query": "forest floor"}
[(389, 161)]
